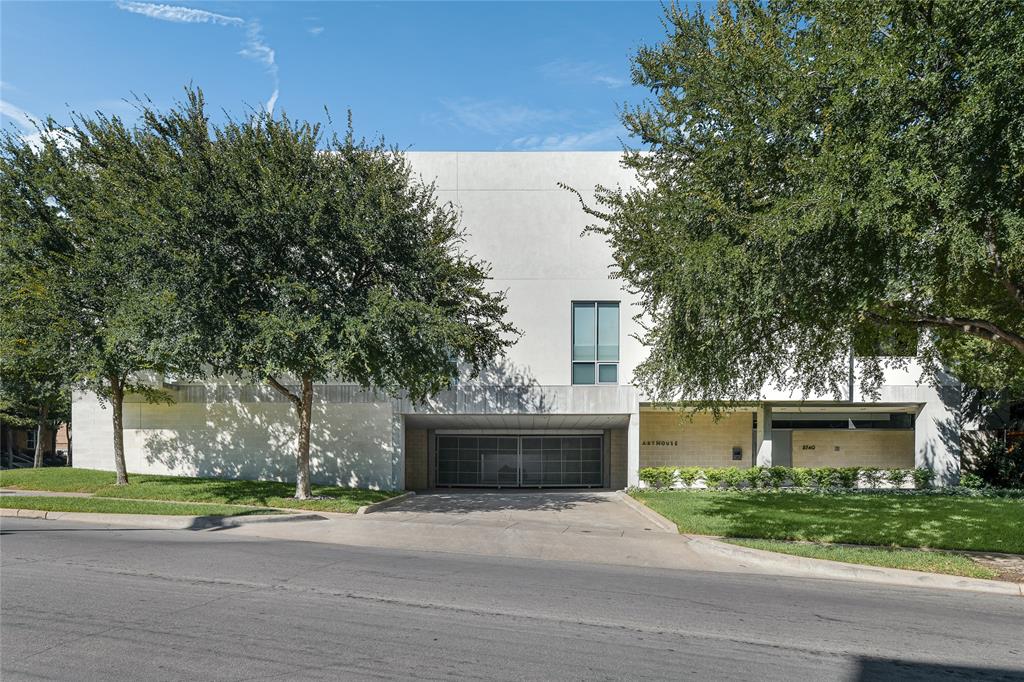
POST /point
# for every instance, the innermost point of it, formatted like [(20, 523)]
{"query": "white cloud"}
[(25, 120), (495, 117), (315, 30), (580, 72), (598, 138), (179, 14), (254, 46)]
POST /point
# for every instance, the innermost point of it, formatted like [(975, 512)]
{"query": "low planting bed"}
[(776, 477), (184, 489)]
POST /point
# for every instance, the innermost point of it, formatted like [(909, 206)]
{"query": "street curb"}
[(824, 568), (158, 521), (648, 513), (384, 504)]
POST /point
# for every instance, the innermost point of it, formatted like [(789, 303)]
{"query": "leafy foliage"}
[(328, 260), (813, 168)]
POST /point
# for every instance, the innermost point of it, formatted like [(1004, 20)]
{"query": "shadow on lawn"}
[(903, 520)]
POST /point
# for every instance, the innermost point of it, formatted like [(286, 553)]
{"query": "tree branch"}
[(280, 388), (975, 327)]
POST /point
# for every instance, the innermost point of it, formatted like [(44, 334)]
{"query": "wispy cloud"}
[(495, 117), (567, 71), (315, 30), (603, 137), (180, 14), (22, 118), (254, 45)]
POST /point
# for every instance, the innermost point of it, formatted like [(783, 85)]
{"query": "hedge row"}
[(779, 477)]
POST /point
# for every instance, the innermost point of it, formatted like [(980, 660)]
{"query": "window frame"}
[(595, 362)]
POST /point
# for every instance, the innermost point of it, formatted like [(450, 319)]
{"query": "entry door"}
[(782, 448), (519, 461)]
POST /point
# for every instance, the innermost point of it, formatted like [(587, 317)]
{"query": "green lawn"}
[(103, 505), (934, 521), (184, 489), (910, 559)]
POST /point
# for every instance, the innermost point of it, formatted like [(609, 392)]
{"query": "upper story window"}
[(595, 342)]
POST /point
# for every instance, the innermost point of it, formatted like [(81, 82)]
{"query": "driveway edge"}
[(648, 513), (824, 568), (384, 504), (157, 521)]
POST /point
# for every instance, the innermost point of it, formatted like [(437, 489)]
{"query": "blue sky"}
[(426, 75)]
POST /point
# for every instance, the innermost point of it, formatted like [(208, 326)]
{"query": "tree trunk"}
[(40, 425), (305, 410), (69, 444), (117, 405)]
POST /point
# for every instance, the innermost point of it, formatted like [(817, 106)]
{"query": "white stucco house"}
[(560, 410)]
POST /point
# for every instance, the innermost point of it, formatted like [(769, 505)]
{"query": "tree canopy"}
[(328, 259), (813, 169)]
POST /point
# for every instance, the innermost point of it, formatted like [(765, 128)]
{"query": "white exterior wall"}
[(528, 228), (351, 444)]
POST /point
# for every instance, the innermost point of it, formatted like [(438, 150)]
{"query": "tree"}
[(811, 168), (86, 230), (330, 261)]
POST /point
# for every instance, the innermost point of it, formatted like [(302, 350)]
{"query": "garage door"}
[(520, 461)]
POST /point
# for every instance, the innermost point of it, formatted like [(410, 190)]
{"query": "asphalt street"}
[(86, 602)]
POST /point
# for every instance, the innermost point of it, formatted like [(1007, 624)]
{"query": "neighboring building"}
[(559, 411), (18, 444)]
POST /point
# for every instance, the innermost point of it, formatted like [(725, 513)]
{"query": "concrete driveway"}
[(597, 512)]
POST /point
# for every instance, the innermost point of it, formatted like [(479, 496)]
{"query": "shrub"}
[(969, 480), (776, 476), (824, 477), (658, 477), (896, 477), (847, 477), (872, 476), (755, 476), (923, 477), (733, 477), (801, 478), (688, 475), (997, 464), (714, 477)]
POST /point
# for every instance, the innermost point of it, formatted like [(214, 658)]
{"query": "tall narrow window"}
[(595, 342)]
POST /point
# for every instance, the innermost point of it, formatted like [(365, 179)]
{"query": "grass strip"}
[(188, 489), (99, 505), (909, 559)]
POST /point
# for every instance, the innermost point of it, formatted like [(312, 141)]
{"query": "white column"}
[(937, 433), (763, 457), (633, 450)]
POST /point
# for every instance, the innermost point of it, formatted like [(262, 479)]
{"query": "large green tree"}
[(813, 168), (87, 240), (329, 260)]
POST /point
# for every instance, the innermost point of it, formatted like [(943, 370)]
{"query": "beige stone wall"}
[(618, 467), (668, 438), (882, 448), (416, 459)]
